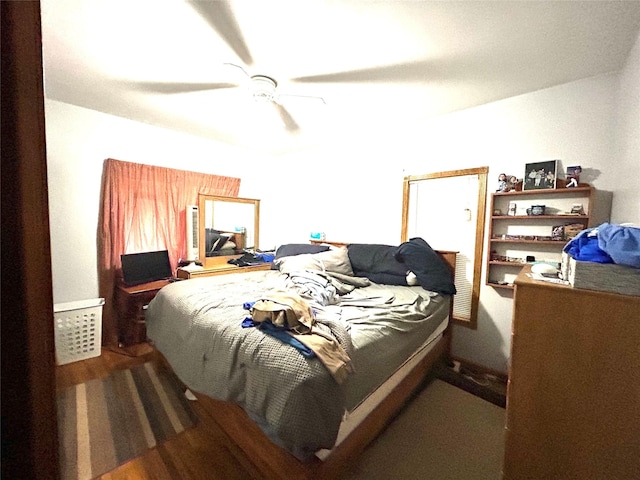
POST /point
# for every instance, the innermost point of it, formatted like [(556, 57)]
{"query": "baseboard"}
[(480, 369), (488, 386)]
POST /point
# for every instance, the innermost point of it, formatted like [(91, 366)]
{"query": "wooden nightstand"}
[(131, 303)]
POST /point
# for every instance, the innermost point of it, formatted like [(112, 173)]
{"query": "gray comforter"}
[(197, 326)]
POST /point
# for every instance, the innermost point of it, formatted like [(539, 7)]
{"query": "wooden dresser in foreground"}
[(573, 400)]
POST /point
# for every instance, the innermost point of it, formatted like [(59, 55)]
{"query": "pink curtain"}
[(143, 209)]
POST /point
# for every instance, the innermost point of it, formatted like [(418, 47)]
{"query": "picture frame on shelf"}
[(540, 175)]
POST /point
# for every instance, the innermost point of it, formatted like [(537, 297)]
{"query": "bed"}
[(379, 319)]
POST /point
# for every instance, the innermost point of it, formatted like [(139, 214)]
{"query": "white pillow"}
[(335, 260), (295, 263), (228, 245)]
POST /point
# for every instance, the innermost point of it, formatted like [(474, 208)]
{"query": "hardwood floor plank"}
[(203, 452)]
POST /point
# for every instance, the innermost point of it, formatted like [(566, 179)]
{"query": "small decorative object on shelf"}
[(573, 176), (503, 258), (540, 175), (577, 209), (572, 230), (512, 208), (503, 186), (524, 238), (536, 210), (515, 185), (557, 233)]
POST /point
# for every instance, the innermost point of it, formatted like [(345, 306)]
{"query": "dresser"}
[(573, 399), (221, 269)]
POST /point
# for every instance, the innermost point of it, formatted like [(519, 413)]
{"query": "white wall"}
[(626, 208), (351, 188), (78, 142), (593, 122), (575, 123)]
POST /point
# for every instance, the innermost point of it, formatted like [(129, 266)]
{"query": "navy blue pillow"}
[(291, 249), (368, 258), (386, 278), (432, 271)]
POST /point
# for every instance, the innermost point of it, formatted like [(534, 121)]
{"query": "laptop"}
[(145, 267)]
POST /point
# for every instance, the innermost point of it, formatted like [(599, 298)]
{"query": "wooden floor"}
[(201, 452), (206, 451)]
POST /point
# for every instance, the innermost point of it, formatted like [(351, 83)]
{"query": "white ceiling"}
[(377, 64)]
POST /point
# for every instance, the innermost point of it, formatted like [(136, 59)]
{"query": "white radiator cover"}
[(193, 236)]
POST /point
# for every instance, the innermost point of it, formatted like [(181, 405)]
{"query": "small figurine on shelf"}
[(513, 183), (502, 183), (573, 176)]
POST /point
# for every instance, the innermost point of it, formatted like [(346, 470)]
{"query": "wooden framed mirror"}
[(227, 227), (456, 199)]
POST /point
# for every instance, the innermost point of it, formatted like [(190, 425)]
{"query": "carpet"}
[(105, 422), (494, 392), (444, 433)]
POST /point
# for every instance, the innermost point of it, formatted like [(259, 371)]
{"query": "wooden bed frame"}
[(273, 462)]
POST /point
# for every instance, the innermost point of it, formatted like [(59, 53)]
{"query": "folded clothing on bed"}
[(284, 309), (281, 334), (291, 312)]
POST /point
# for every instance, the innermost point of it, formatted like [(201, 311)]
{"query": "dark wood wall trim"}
[(29, 426)]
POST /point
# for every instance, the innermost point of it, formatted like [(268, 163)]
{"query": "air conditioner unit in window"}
[(193, 235)]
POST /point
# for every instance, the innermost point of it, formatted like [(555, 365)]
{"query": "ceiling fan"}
[(264, 88)]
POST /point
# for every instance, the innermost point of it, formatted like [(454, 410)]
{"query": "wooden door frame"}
[(29, 424)]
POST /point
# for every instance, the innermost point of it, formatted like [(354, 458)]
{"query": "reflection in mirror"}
[(228, 226)]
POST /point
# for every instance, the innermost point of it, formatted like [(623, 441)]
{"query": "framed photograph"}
[(540, 175)]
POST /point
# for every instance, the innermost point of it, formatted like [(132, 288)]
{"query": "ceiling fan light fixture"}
[(263, 88)]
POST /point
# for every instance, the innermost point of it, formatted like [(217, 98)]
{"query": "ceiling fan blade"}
[(402, 72), (221, 18), (290, 124), (310, 97), (169, 87)]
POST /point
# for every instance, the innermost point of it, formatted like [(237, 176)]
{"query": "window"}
[(447, 209)]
